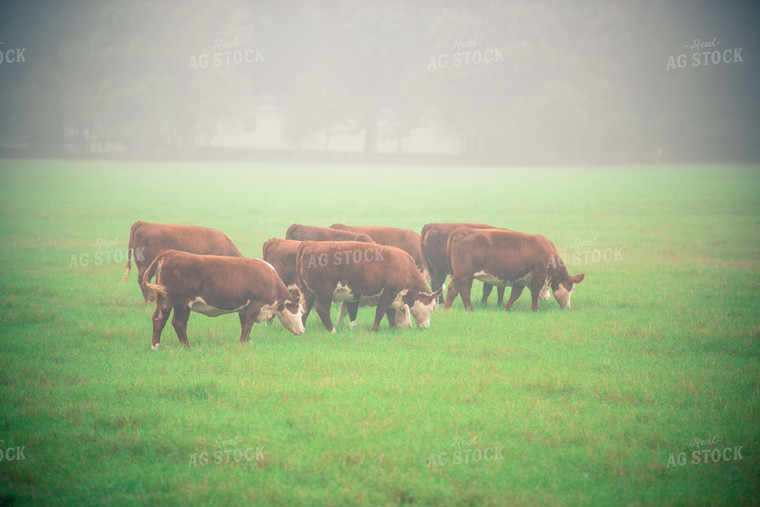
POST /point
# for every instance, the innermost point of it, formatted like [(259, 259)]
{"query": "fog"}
[(514, 83)]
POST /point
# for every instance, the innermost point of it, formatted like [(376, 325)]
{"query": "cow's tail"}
[(155, 269), (130, 247)]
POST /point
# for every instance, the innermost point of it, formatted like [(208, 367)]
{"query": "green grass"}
[(661, 346)]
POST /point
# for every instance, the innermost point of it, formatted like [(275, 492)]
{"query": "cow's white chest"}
[(200, 306)]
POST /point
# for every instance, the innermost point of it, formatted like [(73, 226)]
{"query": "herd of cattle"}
[(400, 272)]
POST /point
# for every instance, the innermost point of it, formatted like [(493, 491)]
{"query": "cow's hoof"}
[(154, 347)]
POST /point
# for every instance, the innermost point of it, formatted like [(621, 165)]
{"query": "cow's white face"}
[(423, 307), (562, 295), (290, 313), (291, 318), (402, 317)]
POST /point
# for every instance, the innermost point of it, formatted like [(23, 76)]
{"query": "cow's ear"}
[(578, 278), (437, 293)]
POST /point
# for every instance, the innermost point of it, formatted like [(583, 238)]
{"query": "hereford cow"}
[(281, 254), (405, 239), (503, 258), (215, 285), (358, 272), (146, 240), (433, 240), (311, 233)]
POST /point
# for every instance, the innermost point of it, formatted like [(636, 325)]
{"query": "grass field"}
[(625, 399)]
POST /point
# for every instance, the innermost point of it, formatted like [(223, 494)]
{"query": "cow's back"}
[(405, 239), (186, 238), (313, 233)]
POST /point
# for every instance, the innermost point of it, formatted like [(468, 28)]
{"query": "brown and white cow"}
[(358, 272), (281, 254), (146, 240), (434, 240), (507, 258), (405, 239), (215, 285), (311, 233)]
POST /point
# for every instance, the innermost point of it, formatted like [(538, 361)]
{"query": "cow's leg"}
[(247, 318), (179, 321), (487, 288), (309, 298), (500, 294), (343, 313), (160, 316), (391, 314), (323, 310), (383, 304), (516, 291), (346, 309), (353, 311), (534, 297), (451, 295), (465, 287)]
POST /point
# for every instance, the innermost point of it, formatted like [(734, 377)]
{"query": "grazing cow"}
[(504, 258), (281, 254), (434, 239), (215, 285), (311, 233), (405, 239), (147, 240), (358, 272)]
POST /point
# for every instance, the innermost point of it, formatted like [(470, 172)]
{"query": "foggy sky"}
[(523, 82)]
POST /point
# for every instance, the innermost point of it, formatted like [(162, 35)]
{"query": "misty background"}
[(518, 82)]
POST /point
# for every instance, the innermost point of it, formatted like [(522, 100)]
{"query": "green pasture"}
[(657, 361)]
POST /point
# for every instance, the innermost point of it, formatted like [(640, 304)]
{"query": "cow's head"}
[(564, 290), (402, 316), (423, 306), (290, 313)]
